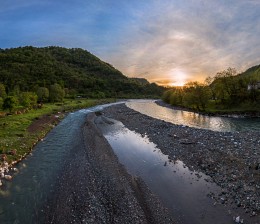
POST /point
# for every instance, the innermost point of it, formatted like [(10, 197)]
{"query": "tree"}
[(28, 99), (196, 95), (43, 94), (176, 97), (166, 96), (2, 91), (209, 82), (10, 103), (56, 93), (1, 103), (227, 85)]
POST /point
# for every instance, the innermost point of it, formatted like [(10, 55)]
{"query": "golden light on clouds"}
[(167, 42), (171, 49)]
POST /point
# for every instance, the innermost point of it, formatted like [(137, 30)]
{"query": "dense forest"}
[(226, 91), (50, 73)]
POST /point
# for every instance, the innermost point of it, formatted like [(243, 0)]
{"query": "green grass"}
[(13, 128)]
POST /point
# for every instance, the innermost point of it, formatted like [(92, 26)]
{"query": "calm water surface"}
[(150, 108), (181, 190)]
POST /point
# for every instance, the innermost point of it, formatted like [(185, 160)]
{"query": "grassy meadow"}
[(16, 141)]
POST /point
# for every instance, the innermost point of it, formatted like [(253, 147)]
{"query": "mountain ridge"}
[(73, 68)]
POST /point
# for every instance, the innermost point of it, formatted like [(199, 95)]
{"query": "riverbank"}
[(89, 185), (222, 113), (20, 132), (230, 159), (102, 192)]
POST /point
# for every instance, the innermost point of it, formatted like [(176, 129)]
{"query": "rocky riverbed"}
[(232, 160), (91, 186), (95, 188)]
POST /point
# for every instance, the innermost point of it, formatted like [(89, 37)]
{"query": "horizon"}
[(169, 42)]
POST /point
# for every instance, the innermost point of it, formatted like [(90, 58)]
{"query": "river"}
[(21, 198), (191, 119), (182, 191)]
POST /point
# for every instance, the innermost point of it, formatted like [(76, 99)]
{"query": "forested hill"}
[(76, 70), (252, 73)]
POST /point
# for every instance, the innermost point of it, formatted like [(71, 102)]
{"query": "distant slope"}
[(76, 69), (141, 81), (252, 73)]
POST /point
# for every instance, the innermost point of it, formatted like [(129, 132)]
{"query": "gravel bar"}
[(232, 160), (95, 188)]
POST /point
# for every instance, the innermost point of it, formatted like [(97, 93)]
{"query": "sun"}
[(176, 84), (179, 77)]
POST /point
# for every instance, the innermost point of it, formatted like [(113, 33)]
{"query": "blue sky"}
[(167, 41)]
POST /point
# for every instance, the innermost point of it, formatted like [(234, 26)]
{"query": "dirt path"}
[(44, 121)]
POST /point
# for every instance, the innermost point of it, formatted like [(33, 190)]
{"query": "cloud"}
[(200, 39), (157, 40)]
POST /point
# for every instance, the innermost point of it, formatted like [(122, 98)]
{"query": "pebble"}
[(8, 177), (230, 159)]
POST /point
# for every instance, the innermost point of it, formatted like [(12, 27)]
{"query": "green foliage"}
[(166, 95), (24, 68), (2, 91), (252, 73), (224, 91), (28, 99), (43, 94), (56, 93), (1, 102), (176, 97), (10, 103)]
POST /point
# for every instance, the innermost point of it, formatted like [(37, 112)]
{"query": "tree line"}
[(226, 90), (31, 76), (55, 93)]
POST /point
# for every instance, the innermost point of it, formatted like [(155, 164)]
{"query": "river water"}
[(180, 117), (21, 198), (182, 191)]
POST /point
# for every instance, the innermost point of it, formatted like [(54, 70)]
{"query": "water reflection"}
[(192, 119), (183, 191)]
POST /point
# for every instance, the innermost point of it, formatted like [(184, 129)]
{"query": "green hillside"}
[(252, 73), (76, 70)]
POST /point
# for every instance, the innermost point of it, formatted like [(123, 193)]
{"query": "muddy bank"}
[(95, 188), (231, 159)]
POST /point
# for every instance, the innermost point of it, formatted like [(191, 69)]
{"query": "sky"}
[(169, 42)]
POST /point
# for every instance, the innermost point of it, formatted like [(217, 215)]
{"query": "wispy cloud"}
[(158, 40), (200, 39)]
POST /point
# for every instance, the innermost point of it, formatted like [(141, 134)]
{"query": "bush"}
[(43, 94), (28, 99), (10, 103), (56, 93)]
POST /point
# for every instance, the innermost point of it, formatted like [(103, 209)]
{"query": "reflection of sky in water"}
[(193, 119), (179, 188)]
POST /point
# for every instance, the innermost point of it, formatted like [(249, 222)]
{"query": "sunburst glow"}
[(179, 77)]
